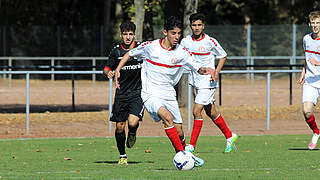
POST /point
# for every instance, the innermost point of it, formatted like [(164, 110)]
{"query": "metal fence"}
[(237, 40), (267, 72), (53, 63)]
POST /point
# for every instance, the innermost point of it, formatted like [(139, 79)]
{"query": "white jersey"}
[(162, 68), (312, 50), (205, 51)]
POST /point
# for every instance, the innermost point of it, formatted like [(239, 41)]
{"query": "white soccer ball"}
[(183, 160)]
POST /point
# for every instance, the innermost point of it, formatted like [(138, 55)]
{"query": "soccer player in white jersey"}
[(205, 49), (163, 66), (310, 76)]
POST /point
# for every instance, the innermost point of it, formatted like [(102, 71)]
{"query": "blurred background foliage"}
[(91, 28)]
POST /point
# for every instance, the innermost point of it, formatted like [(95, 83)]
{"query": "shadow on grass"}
[(302, 149), (129, 162), (165, 169)]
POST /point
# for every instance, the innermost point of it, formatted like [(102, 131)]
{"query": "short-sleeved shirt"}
[(205, 50), (130, 79), (162, 68), (312, 50)]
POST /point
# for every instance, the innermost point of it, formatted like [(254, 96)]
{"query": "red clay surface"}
[(243, 108)]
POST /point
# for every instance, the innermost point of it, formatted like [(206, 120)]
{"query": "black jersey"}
[(130, 79)]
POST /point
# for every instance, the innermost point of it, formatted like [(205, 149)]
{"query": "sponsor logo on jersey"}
[(201, 49), (131, 67), (174, 60)]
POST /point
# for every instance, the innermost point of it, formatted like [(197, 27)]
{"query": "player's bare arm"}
[(314, 62), (302, 76), (123, 61), (207, 70), (221, 63)]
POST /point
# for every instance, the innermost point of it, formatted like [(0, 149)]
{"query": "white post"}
[(248, 47), (268, 100), (93, 69), (52, 69), (110, 103), (189, 105), (252, 68), (27, 102), (10, 69)]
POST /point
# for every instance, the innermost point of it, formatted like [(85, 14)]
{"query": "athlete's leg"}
[(180, 133), (171, 131), (217, 119), (197, 123), (133, 124), (310, 95), (121, 138), (309, 117)]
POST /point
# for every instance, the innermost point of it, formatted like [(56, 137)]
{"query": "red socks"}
[(219, 121), (312, 124), (197, 125), (174, 138)]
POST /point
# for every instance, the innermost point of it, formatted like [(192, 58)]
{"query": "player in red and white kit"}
[(163, 66), (205, 49), (310, 76)]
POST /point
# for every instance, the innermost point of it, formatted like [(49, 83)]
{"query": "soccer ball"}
[(183, 160)]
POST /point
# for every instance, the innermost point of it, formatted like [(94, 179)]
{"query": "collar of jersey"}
[(200, 38), (134, 44), (160, 40)]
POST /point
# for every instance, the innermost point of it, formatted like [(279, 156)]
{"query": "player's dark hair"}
[(172, 22), (127, 26), (197, 16)]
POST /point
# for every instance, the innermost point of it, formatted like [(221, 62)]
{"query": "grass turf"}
[(256, 157)]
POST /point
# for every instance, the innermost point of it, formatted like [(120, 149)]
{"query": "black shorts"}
[(123, 107)]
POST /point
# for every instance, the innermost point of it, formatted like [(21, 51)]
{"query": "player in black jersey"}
[(128, 105)]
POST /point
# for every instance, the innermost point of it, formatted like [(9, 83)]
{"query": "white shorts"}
[(310, 94), (205, 96), (153, 104)]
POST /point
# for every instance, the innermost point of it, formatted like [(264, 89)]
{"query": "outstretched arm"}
[(123, 61)]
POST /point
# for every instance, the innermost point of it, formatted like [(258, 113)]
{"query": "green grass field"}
[(257, 157)]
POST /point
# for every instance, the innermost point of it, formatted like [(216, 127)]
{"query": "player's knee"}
[(197, 113), (307, 109), (120, 126), (167, 117), (167, 123), (307, 113), (212, 114), (133, 124), (133, 127)]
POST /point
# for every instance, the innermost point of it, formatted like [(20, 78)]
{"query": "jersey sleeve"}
[(139, 51), (217, 49), (304, 44), (183, 41), (111, 62), (190, 62)]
